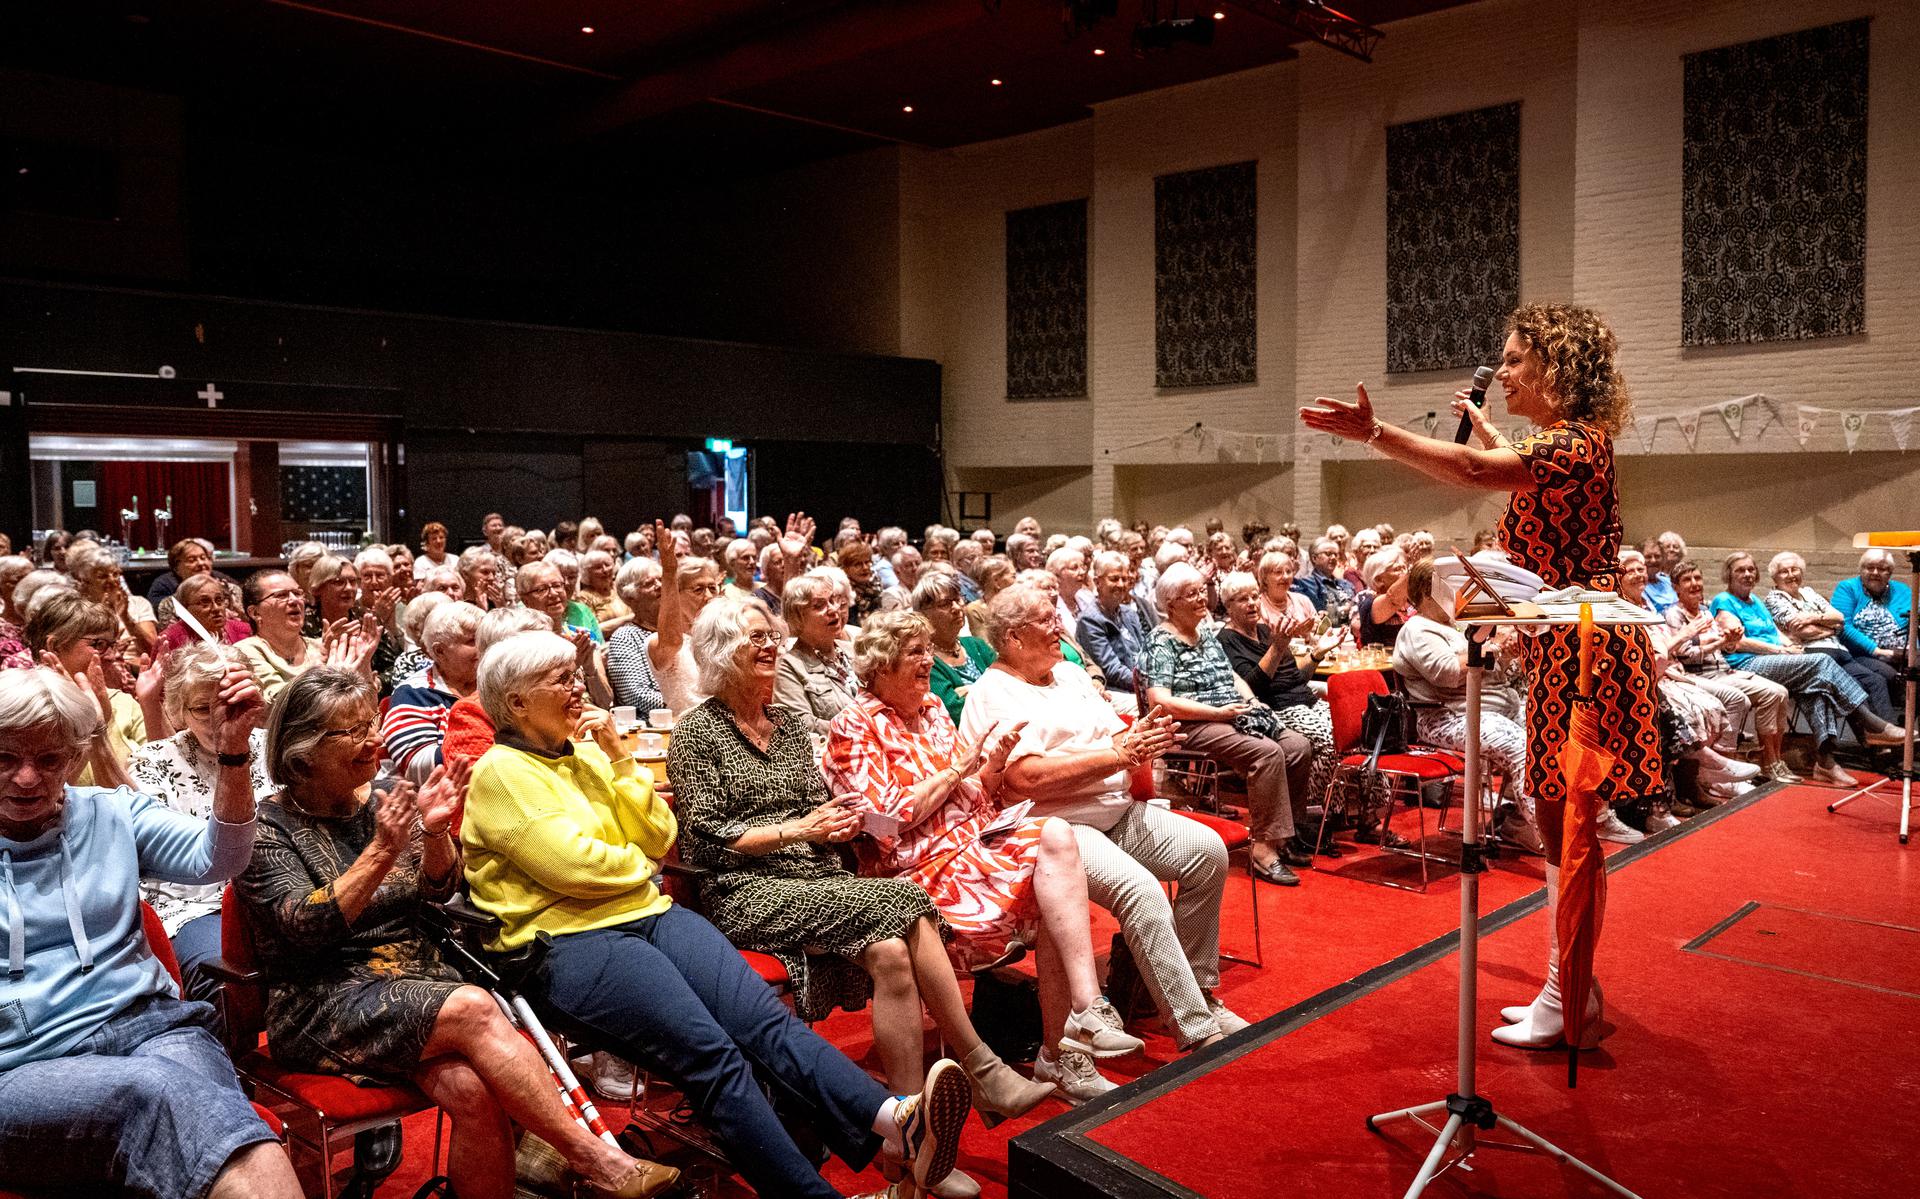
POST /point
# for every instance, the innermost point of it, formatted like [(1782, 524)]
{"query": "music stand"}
[(1911, 543), (1469, 1112)]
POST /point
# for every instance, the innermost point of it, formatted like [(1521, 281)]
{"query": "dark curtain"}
[(200, 500)]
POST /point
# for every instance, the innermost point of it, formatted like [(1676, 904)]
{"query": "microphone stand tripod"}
[(1906, 774), (1468, 1112)]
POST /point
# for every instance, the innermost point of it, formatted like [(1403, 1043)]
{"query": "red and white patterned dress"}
[(983, 888)]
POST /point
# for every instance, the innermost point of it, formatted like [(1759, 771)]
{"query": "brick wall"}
[(1600, 94)]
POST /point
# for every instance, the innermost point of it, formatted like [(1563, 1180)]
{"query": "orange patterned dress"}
[(1567, 531), (984, 888)]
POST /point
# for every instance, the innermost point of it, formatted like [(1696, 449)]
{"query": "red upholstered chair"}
[(335, 1107), (1405, 773), (1238, 840)]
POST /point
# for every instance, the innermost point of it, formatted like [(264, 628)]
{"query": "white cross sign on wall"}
[(212, 395)]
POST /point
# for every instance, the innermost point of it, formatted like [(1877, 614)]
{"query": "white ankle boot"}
[(1542, 1023)]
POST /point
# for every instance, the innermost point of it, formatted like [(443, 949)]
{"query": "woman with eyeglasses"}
[(279, 652), (72, 634), (342, 866), (204, 596)]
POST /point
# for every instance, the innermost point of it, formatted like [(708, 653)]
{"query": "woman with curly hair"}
[(1563, 523)]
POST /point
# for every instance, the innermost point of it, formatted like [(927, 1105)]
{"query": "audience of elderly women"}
[(1281, 607), (815, 678), (1076, 760), (1696, 640), (415, 724), (999, 881), (470, 730), (1191, 679), (1826, 694), (662, 662), (186, 558), (1808, 619), (333, 894), (1877, 607), (96, 574), (564, 835), (278, 652), (1113, 630), (482, 580), (182, 772), (755, 811), (108, 1080)]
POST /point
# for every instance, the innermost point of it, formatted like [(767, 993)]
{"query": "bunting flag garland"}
[(1803, 428), (1646, 427), (1733, 412), (1689, 423), (1432, 421), (1851, 423), (1902, 422)]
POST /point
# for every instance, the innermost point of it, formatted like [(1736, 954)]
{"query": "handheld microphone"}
[(1478, 398)]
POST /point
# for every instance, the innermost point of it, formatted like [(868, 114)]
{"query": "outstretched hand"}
[(1354, 421)]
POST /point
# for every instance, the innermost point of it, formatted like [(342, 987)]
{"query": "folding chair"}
[(1404, 773), (1238, 840), (333, 1105)]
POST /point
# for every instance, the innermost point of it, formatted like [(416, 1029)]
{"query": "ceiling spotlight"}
[(1097, 51), (906, 108), (1219, 16), (586, 29), (996, 83)]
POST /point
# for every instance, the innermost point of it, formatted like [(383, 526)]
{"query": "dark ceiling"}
[(693, 88)]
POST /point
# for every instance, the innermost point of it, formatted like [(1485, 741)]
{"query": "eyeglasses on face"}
[(355, 735), (53, 762)]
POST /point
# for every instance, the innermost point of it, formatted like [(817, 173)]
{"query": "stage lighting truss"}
[(1312, 19)]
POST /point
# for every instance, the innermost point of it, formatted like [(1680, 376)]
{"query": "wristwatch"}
[(233, 759)]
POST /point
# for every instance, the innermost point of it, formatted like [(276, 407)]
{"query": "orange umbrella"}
[(1585, 763)]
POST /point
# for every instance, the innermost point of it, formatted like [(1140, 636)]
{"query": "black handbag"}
[(1383, 729)]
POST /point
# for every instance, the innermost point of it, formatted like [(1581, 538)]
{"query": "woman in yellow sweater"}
[(562, 837)]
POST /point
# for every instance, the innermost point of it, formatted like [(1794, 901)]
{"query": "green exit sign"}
[(719, 445)]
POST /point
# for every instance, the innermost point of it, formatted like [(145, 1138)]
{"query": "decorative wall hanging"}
[(1203, 276), (1047, 301), (1453, 238), (324, 492), (1774, 189)]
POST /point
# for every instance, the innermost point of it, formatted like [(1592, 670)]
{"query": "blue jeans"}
[(196, 943), (670, 993), (148, 1104)]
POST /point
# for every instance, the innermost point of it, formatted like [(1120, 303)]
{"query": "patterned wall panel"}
[(1453, 237), (1203, 276), (323, 492), (1047, 301), (1774, 217)]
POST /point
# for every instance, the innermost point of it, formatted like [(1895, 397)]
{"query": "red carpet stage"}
[(1761, 966)]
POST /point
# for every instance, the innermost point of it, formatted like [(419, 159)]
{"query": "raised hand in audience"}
[(384, 603), (1148, 737), (438, 800), (238, 709)]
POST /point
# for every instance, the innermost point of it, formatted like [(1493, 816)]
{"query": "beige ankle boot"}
[(999, 1092)]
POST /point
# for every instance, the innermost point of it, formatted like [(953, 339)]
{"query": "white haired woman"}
[(814, 680), (96, 573), (1817, 626), (992, 574), (598, 592), (1191, 679), (656, 664), (182, 773), (564, 836), (1047, 582), (333, 893), (109, 1082), (483, 583), (415, 726), (1068, 566), (413, 624), (1281, 607), (1381, 609), (997, 882)]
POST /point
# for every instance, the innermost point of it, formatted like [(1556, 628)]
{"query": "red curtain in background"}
[(201, 500)]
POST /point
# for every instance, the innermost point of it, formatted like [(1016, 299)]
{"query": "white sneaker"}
[(610, 1077), (1097, 1032), (1073, 1076), (1611, 828), (1661, 820), (1228, 1020)]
